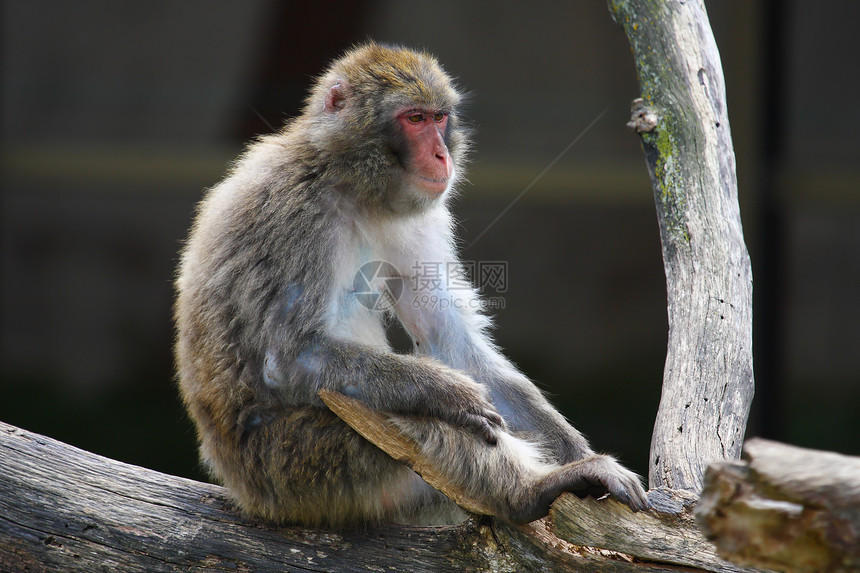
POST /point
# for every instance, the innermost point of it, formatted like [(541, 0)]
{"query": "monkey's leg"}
[(513, 477), (304, 465)]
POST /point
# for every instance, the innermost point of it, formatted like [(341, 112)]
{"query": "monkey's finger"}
[(632, 498), (638, 497), (629, 491), (622, 495)]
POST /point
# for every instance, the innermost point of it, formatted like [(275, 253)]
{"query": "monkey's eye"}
[(415, 118), (439, 117)]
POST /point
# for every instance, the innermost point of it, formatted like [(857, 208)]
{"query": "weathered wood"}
[(648, 535), (785, 508), (682, 120), (65, 509)]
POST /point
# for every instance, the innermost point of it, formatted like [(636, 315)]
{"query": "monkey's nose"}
[(445, 159)]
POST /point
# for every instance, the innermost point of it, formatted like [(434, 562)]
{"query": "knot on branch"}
[(643, 119)]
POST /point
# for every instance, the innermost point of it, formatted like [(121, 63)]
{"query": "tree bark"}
[(682, 120), (785, 508)]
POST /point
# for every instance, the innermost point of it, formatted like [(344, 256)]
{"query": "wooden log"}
[(784, 508), (65, 509)]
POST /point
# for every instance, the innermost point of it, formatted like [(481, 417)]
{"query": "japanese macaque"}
[(269, 312)]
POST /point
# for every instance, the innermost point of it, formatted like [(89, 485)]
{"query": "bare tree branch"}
[(681, 117)]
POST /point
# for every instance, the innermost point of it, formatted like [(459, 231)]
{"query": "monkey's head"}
[(385, 118)]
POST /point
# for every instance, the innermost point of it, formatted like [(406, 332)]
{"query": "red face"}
[(430, 164)]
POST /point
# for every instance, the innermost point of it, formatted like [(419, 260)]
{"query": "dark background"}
[(116, 116)]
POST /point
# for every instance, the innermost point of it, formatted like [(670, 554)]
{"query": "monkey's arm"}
[(387, 382)]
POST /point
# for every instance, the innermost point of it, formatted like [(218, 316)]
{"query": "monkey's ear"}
[(335, 99)]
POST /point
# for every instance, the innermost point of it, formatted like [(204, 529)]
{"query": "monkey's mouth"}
[(432, 184)]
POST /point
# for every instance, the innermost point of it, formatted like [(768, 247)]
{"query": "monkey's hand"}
[(465, 403), (595, 475), (598, 475)]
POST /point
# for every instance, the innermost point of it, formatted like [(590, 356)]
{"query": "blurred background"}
[(116, 115)]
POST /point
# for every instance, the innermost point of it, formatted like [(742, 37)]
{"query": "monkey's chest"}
[(363, 296)]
